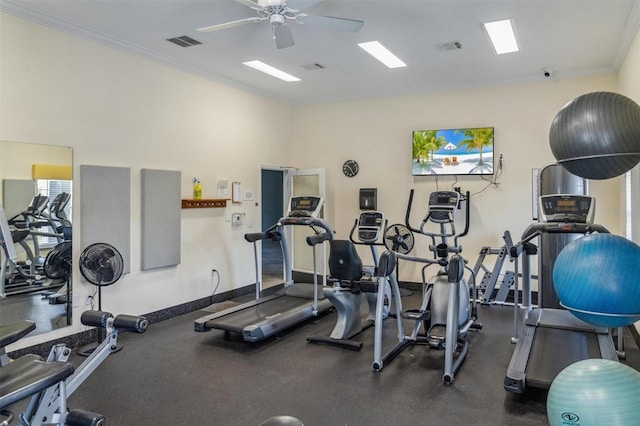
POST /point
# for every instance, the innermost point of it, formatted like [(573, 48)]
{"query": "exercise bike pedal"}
[(416, 314)]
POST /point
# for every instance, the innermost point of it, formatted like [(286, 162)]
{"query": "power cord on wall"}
[(492, 181), (215, 275)]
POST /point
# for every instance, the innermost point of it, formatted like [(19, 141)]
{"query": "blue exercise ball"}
[(597, 277), (597, 135), (595, 392)]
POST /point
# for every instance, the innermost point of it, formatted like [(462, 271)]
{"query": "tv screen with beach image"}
[(466, 151)]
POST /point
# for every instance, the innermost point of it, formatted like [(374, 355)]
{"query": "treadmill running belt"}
[(237, 321), (553, 349)]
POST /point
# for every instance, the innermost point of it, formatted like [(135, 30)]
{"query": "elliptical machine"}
[(446, 313), (351, 281)]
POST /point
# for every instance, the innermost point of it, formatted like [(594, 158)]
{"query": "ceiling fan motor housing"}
[(276, 20)]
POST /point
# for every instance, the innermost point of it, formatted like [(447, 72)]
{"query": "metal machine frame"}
[(295, 302)]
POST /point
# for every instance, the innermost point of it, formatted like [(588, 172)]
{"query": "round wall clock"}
[(350, 168)]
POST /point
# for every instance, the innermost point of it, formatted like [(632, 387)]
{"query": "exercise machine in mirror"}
[(36, 234)]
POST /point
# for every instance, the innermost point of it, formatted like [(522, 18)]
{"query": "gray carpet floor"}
[(172, 375)]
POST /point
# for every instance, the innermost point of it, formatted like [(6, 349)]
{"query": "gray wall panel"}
[(105, 198), (160, 218)]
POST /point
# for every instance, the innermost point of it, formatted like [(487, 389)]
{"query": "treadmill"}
[(552, 338), (295, 302)]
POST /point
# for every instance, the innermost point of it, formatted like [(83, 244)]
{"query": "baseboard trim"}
[(82, 338), (89, 336)]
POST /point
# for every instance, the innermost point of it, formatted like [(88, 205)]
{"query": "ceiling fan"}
[(279, 11)]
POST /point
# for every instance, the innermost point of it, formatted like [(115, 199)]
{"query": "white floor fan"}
[(102, 265)]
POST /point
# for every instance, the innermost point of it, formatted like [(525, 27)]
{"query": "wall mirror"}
[(36, 227)]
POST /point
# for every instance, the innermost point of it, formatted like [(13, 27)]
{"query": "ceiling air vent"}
[(184, 41), (314, 66), (450, 45)]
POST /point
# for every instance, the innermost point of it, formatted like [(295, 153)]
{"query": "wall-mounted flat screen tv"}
[(464, 151)]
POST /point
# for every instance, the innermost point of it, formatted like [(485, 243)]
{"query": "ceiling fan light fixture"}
[(502, 36), (272, 71), (381, 53)]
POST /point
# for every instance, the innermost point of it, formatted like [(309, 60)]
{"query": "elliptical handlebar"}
[(466, 197), (467, 215), (408, 214)]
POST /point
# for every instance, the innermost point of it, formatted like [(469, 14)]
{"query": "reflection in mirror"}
[(35, 234)]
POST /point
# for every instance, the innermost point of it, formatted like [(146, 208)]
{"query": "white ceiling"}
[(570, 38)]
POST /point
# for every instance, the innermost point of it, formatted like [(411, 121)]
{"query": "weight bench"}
[(11, 333), (29, 375), (49, 383)]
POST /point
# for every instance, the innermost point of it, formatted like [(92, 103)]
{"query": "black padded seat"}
[(344, 263), (29, 375), (14, 331)]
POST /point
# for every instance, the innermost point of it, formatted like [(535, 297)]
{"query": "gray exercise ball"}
[(597, 135), (282, 421)]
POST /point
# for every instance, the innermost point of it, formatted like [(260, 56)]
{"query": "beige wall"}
[(116, 109), (630, 86), (377, 133)]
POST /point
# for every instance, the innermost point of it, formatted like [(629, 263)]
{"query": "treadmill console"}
[(442, 205), (567, 208), (305, 206), (370, 226)]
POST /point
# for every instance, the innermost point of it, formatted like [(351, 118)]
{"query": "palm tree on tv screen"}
[(477, 139), (425, 143)]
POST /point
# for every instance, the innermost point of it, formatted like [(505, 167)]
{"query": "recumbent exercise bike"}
[(351, 280)]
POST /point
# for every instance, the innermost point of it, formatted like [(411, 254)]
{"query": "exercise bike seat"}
[(345, 266), (29, 375), (10, 333)]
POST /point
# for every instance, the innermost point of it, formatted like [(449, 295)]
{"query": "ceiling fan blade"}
[(247, 3), (230, 24), (283, 37), (299, 4), (341, 24)]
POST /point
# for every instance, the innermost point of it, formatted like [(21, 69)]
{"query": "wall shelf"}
[(204, 203)]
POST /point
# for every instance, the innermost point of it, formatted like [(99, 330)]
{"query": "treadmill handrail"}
[(535, 229), (312, 240), (306, 221)]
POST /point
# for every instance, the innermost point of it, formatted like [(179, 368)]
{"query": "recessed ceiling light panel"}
[(502, 35), (272, 71), (381, 53)]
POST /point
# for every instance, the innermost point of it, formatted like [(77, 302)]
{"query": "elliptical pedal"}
[(416, 314), (437, 335)]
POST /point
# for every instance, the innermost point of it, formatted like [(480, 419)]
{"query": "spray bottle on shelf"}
[(197, 189)]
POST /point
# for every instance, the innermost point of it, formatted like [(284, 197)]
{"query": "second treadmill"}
[(552, 337)]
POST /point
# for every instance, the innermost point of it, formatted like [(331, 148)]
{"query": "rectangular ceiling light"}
[(274, 72), (502, 36), (381, 53)]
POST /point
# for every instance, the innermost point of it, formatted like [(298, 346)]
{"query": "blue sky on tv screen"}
[(455, 138)]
